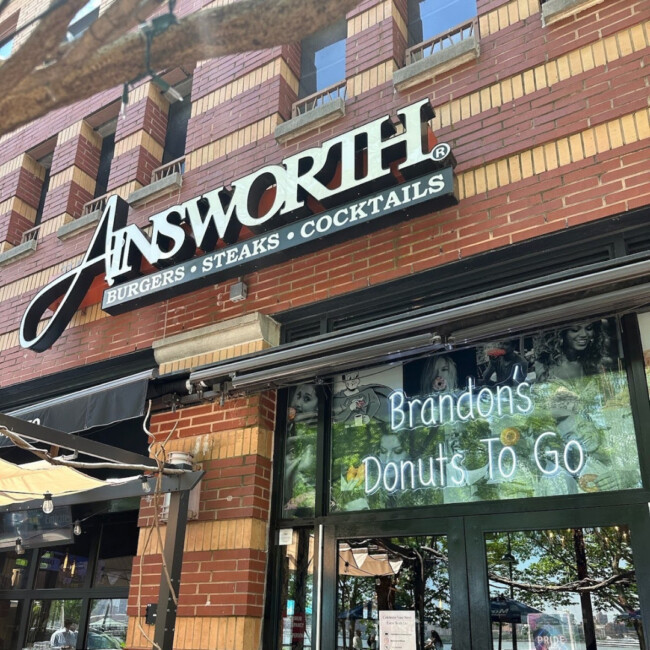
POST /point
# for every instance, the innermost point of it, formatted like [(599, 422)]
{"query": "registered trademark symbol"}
[(441, 151)]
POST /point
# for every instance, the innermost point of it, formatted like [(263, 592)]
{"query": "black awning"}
[(100, 405)]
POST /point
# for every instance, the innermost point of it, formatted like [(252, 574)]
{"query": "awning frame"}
[(596, 289), (179, 486), (39, 433)]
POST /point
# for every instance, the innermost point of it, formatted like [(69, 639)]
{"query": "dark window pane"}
[(299, 485), (41, 201), (117, 548), (65, 566), (107, 624), (47, 619), (82, 20), (13, 571), (177, 120), (105, 160), (322, 63), (9, 621), (394, 591), (296, 594), (428, 18)]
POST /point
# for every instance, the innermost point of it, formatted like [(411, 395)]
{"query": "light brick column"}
[(21, 180), (221, 603), (139, 140), (73, 175)]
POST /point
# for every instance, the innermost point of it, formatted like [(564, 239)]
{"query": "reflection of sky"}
[(330, 64), (5, 50), (437, 17)]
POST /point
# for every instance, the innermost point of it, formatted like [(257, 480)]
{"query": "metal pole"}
[(173, 554)]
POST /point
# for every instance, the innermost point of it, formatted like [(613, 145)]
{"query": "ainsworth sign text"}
[(311, 200)]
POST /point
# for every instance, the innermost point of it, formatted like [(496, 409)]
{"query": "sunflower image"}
[(355, 474), (510, 436)]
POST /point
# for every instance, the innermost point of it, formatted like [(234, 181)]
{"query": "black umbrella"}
[(506, 610)]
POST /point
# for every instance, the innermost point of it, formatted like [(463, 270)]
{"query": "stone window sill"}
[(81, 224), (18, 252), (555, 10), (310, 120), (162, 187), (436, 64)]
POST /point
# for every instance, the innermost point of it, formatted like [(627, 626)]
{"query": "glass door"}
[(568, 580), (575, 579), (402, 586)]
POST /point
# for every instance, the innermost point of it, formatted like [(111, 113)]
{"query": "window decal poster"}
[(397, 630), (539, 415)]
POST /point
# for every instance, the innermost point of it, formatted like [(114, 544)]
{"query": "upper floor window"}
[(322, 62), (87, 15), (105, 157), (429, 18), (177, 121), (46, 163), (7, 29)]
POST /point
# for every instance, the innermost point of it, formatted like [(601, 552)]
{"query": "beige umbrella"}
[(359, 562), (20, 483)]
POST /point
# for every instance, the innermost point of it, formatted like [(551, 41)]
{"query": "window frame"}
[(86, 593)]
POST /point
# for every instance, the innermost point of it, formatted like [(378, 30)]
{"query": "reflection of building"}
[(545, 111)]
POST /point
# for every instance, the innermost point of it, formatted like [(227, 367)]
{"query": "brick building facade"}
[(545, 107)]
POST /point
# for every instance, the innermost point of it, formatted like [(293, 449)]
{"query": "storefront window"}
[(394, 592), (53, 617), (9, 621), (107, 624), (65, 566), (297, 596), (540, 415), (299, 487), (13, 571), (644, 327), (115, 557)]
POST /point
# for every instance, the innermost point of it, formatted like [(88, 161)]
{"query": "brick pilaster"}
[(140, 137), (74, 172), (376, 35), (20, 190), (225, 554)]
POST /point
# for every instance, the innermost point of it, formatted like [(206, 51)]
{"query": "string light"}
[(77, 528), (48, 504), (146, 488), (20, 549)]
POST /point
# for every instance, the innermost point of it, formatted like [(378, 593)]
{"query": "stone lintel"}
[(238, 331)]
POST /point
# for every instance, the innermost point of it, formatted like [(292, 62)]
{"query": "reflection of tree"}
[(421, 584), (594, 564), (297, 584)]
